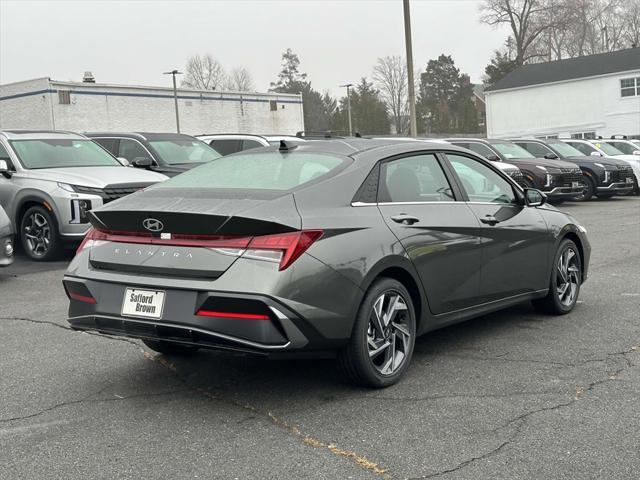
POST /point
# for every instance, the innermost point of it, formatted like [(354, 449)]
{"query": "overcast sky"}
[(133, 42)]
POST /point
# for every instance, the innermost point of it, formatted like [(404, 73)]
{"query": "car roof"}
[(229, 135), (354, 146), (142, 135), (40, 134)]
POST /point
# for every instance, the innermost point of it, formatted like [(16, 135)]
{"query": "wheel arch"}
[(575, 238), (401, 269), (29, 201)]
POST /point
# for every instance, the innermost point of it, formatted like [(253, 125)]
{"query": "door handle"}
[(489, 220), (405, 219)]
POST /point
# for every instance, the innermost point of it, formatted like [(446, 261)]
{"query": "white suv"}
[(49, 180)]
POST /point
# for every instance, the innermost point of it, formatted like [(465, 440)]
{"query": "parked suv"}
[(597, 148), (604, 177), (49, 180), (559, 180), (228, 143), (6, 235), (166, 153)]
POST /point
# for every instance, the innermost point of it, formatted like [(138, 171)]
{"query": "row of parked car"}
[(49, 180)]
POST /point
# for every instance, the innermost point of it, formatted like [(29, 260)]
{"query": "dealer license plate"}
[(142, 303), (629, 180), (575, 184)]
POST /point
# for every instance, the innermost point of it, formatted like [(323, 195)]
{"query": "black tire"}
[(555, 303), (588, 192), (170, 348), (526, 183), (39, 234), (355, 359)]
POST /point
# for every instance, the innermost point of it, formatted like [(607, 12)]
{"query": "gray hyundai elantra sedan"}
[(352, 247)]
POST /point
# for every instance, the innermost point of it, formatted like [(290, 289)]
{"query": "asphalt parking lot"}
[(510, 395)]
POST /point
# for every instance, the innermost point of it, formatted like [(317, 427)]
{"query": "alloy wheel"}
[(388, 333), (37, 232), (567, 277)]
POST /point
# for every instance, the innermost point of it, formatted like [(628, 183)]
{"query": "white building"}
[(49, 104), (579, 97)]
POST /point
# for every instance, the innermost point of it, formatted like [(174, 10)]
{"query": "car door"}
[(515, 238), (438, 232)]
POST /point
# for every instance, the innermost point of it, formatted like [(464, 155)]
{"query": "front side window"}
[(510, 150), (262, 171), (565, 150), (630, 87), (414, 179), (61, 153), (180, 151), (481, 183), (131, 149), (584, 148), (624, 147), (481, 149), (608, 149)]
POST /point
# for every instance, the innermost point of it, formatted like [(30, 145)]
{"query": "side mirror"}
[(534, 197), (124, 162), (4, 169), (595, 154), (551, 156), (493, 158), (142, 162)]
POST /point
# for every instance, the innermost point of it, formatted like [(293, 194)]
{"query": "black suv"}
[(559, 180), (166, 153), (604, 177)]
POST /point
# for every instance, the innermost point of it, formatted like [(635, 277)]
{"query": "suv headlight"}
[(66, 187), (544, 169)]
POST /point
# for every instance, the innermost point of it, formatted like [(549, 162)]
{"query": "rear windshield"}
[(61, 153), (174, 152), (262, 171), (511, 150)]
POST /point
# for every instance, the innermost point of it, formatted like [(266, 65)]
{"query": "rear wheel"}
[(565, 281), (383, 336), (170, 348), (39, 234), (587, 192)]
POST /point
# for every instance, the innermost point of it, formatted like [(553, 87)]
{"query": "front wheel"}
[(383, 337), (39, 234), (565, 282), (588, 191)]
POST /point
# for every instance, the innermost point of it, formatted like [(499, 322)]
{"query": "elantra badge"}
[(153, 225)]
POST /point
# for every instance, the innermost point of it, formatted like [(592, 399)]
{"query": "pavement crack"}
[(360, 460), (88, 399)]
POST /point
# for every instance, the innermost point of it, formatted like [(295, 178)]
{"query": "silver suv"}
[(49, 180)]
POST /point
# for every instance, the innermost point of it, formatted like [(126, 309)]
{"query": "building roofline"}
[(25, 81), (163, 89)]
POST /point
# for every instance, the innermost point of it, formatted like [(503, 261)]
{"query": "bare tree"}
[(390, 77), (204, 72), (240, 80), (528, 20), (631, 11)]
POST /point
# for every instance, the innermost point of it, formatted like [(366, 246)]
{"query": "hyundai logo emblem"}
[(153, 225)]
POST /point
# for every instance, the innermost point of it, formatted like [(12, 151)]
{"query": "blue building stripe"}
[(151, 95)]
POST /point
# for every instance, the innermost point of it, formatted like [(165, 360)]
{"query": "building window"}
[(630, 87), (64, 97), (584, 135), (273, 105)]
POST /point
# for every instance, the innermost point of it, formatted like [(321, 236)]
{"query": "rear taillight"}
[(281, 248)]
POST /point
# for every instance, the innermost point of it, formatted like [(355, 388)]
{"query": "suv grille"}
[(110, 192), (570, 175), (621, 175)]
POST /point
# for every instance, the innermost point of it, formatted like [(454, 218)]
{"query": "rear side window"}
[(262, 171), (249, 144), (414, 179), (583, 148), (226, 146), (535, 149)]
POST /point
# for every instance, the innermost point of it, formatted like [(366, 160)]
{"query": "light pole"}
[(175, 95), (349, 85), (412, 93)]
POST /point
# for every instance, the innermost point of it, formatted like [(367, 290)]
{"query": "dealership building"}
[(581, 97), (88, 106)]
